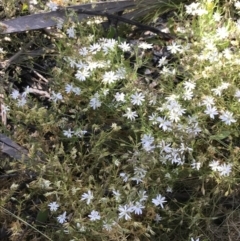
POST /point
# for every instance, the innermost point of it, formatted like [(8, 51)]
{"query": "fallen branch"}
[(12, 149), (49, 19)]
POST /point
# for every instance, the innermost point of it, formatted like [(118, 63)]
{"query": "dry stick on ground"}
[(12, 149), (40, 76), (107, 9), (49, 19)]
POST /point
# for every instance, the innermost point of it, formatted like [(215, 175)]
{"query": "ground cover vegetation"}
[(137, 139)]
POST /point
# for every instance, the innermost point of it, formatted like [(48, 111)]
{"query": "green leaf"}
[(42, 217), (24, 7), (221, 136), (111, 32)]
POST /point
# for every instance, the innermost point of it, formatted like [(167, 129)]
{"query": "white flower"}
[(87, 196), (169, 189), (131, 114), (76, 91), (174, 48), (95, 101), (125, 47), (2, 51), (144, 45), (125, 212), (117, 195), (195, 9), (94, 48), (208, 101), (211, 111), (192, 239), (227, 54), (119, 97), (94, 216), (15, 94), (227, 117), (225, 169), (56, 96), (26, 92), (191, 8), (214, 165), (222, 33), (107, 225), (142, 196), (52, 5), (109, 77), (196, 165), (147, 139), (137, 208), (188, 85), (237, 5), (217, 91), (71, 62), (165, 71), (121, 73), (68, 88), (62, 218), (224, 85), (83, 51), (153, 118), (68, 133), (137, 179), (108, 45), (237, 94), (82, 75), (80, 133), (217, 17), (92, 65), (187, 95), (44, 184), (105, 91), (159, 200), (164, 123), (201, 12), (71, 32), (137, 98), (53, 206), (60, 23), (139, 172), (124, 176), (21, 102), (162, 61), (158, 218)]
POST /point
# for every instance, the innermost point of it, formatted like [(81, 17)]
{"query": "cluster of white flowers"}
[(174, 108), (195, 9), (172, 154), (171, 117), (69, 133), (21, 98), (211, 110), (223, 169), (126, 210)]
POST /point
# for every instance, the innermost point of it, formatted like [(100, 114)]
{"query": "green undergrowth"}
[(126, 150)]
